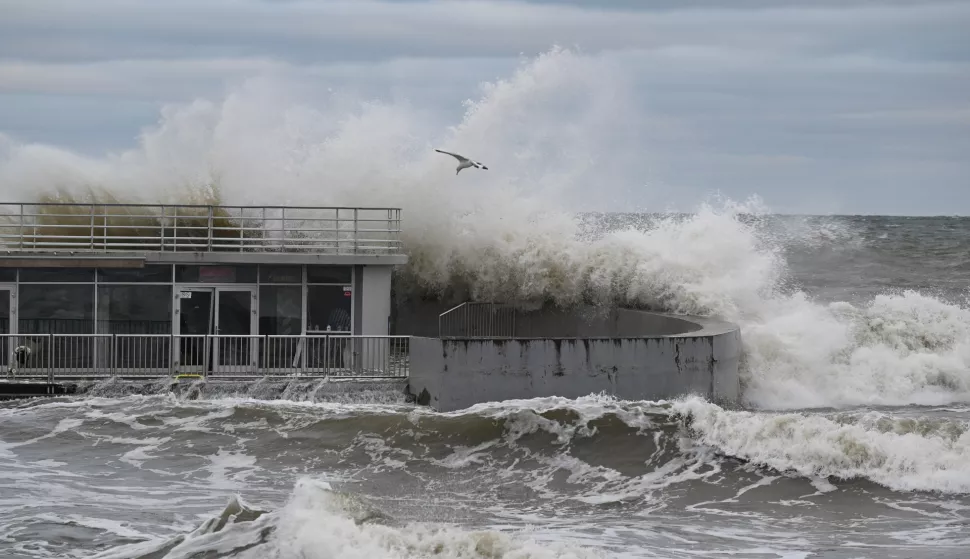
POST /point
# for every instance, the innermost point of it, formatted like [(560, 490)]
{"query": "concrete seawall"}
[(630, 354)]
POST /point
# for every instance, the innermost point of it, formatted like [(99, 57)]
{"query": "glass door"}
[(236, 325), (8, 325), (194, 322)]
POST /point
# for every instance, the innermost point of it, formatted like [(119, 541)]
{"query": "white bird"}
[(463, 162)]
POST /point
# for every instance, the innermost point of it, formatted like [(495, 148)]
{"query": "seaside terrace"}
[(138, 290)]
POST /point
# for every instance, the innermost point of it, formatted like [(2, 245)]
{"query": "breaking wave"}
[(554, 454), (512, 233)]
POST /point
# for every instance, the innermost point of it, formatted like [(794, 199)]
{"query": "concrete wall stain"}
[(490, 370)]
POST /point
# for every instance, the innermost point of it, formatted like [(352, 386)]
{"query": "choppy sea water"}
[(854, 441)]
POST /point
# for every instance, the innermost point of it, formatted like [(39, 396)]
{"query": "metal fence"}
[(80, 356), (48, 227), (484, 320)]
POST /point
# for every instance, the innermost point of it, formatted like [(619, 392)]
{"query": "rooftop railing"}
[(50, 227)]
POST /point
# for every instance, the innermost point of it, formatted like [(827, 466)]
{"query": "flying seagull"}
[(463, 162)]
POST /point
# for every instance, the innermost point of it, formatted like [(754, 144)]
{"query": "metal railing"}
[(48, 227), (84, 356), (478, 320)]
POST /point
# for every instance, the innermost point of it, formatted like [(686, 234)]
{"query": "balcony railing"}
[(92, 356), (50, 227)]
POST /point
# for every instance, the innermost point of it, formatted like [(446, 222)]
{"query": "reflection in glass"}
[(131, 312), (279, 310), (280, 274), (280, 314), (156, 273), (57, 275), (328, 306), (135, 309), (234, 318), (195, 319), (58, 309), (329, 274), (4, 328), (239, 273)]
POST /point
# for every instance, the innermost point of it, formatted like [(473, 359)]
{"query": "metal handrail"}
[(478, 320), (110, 227), (71, 356)]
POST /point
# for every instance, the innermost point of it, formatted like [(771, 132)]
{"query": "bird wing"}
[(455, 155)]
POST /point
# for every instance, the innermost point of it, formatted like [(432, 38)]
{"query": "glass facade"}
[(280, 310), (5, 296), (134, 309), (215, 274), (53, 308), (291, 300), (149, 274), (329, 308), (130, 314)]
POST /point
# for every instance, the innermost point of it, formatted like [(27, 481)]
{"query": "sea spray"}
[(513, 234)]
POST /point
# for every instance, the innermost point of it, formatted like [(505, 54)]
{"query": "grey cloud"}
[(100, 29), (853, 106)]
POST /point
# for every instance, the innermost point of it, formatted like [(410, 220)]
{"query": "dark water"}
[(876, 343), (866, 256)]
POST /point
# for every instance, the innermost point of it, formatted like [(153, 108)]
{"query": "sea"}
[(853, 439)]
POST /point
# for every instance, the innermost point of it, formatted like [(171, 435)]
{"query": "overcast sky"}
[(817, 106)]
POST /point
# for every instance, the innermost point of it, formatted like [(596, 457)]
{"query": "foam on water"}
[(513, 479), (318, 523)]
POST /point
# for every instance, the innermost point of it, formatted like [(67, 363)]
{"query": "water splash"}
[(555, 134)]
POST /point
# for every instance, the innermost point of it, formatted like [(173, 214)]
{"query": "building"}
[(106, 289)]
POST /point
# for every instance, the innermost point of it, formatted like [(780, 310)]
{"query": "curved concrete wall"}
[(633, 355)]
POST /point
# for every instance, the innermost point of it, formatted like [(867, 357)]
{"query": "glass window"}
[(328, 305), (57, 275), (8, 275), (135, 309), (329, 274), (4, 313), (4, 327), (148, 274), (280, 274), (280, 310), (215, 274), (56, 309)]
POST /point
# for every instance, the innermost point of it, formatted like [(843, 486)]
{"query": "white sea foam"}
[(899, 453), (508, 234), (318, 523)]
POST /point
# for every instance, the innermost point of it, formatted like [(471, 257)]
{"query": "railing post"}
[(209, 231), (21, 226), (114, 354), (175, 229), (283, 230), (356, 215), (50, 357)]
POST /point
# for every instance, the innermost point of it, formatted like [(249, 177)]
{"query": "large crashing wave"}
[(554, 134)]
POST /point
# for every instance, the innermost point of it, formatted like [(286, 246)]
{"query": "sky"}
[(815, 106)]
